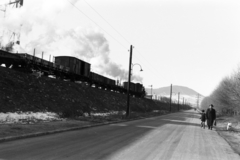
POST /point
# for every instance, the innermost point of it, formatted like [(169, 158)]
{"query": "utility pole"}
[(42, 56), (129, 80), (171, 98), (178, 100), (34, 55), (151, 92), (198, 100)]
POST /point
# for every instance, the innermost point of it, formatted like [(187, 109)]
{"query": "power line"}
[(107, 22), (149, 64), (96, 23), (111, 25), (145, 59)]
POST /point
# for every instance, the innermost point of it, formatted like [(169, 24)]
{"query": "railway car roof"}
[(71, 57)]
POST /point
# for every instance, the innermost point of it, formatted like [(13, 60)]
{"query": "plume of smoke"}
[(40, 32)]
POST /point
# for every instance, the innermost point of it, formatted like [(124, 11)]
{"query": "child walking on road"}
[(203, 119)]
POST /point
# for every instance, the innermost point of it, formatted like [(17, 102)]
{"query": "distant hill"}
[(189, 95), (175, 89)]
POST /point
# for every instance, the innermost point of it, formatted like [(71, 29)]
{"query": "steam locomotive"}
[(67, 68)]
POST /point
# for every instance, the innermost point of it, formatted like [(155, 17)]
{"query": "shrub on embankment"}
[(24, 92), (226, 97)]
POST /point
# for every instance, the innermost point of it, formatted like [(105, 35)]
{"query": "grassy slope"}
[(24, 92)]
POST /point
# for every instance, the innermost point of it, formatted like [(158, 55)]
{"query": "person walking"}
[(211, 116), (203, 119)]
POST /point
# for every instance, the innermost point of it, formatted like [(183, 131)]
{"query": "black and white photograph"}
[(119, 79)]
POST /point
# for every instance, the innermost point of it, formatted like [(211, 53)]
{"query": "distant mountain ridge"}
[(175, 89)]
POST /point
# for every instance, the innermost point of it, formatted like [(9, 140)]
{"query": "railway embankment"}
[(25, 92), (77, 105)]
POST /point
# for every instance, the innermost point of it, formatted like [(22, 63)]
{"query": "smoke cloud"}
[(35, 22)]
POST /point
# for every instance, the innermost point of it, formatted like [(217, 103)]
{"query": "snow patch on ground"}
[(27, 117)]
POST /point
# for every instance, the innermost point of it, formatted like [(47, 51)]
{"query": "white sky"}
[(193, 43)]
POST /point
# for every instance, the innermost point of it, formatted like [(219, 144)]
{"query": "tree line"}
[(226, 96)]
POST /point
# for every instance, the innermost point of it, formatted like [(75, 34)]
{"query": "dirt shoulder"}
[(232, 136), (17, 130)]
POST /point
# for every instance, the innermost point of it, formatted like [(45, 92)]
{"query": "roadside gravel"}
[(232, 136)]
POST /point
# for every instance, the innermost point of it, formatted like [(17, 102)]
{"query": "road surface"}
[(176, 136)]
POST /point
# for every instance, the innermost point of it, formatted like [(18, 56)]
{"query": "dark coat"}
[(211, 116), (203, 117)]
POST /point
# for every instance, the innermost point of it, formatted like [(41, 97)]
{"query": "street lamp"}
[(128, 89), (138, 65)]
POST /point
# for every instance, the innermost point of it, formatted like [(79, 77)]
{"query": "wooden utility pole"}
[(178, 100), (151, 92), (171, 98), (198, 100), (34, 55), (129, 81)]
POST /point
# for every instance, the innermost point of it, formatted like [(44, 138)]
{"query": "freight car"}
[(75, 65), (66, 67), (137, 88), (10, 59), (131, 87), (99, 80)]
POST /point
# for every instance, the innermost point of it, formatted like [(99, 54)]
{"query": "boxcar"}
[(111, 82), (96, 77), (138, 87), (99, 78), (74, 65), (132, 86)]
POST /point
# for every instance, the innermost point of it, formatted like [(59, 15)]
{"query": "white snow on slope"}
[(27, 117)]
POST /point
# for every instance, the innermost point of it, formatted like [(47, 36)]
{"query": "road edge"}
[(37, 134)]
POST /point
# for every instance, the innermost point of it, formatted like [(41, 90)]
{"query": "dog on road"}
[(229, 126)]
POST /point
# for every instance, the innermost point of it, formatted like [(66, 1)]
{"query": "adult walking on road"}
[(211, 116)]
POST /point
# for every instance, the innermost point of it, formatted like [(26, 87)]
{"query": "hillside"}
[(175, 89), (24, 92), (189, 95)]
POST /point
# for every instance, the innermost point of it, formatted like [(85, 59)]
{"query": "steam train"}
[(67, 68)]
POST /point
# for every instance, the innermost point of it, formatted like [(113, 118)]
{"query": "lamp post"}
[(129, 80), (138, 65)]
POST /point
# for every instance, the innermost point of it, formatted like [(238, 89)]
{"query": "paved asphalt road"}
[(174, 136)]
